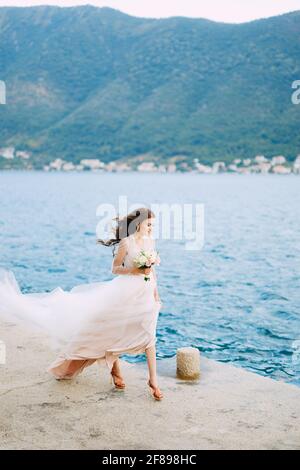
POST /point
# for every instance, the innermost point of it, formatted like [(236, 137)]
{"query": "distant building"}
[(162, 168), (261, 159), (111, 166), (264, 167), (69, 166), (296, 165), (253, 168), (218, 167), (233, 167), (7, 152), (22, 154), (244, 170), (92, 163), (171, 168), (280, 160), (203, 168), (247, 161), (183, 166), (57, 164), (281, 170), (122, 167), (146, 166)]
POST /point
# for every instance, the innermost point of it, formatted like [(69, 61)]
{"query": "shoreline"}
[(227, 408), (100, 172)]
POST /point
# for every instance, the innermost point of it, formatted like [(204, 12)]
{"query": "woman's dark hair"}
[(128, 225)]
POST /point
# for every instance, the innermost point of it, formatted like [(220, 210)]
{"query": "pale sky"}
[(234, 11)]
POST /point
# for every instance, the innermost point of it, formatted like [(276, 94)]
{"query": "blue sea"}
[(237, 300)]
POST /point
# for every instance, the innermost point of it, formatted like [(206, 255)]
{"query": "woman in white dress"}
[(102, 320)]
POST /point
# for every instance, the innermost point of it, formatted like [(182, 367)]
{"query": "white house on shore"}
[(296, 166), (233, 167), (146, 166), (203, 168), (162, 168), (279, 160), (263, 167), (57, 164), (22, 154), (69, 166), (171, 168), (281, 170), (261, 159), (218, 167), (92, 164), (7, 152)]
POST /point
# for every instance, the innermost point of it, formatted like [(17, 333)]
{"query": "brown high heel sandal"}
[(155, 392), (118, 386)]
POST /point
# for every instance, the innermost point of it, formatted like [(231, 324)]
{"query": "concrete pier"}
[(227, 408)]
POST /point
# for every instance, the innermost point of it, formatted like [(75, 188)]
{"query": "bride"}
[(102, 320)]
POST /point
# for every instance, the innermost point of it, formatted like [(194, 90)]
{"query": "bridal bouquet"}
[(146, 259)]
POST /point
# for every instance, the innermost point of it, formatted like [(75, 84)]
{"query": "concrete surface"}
[(228, 408)]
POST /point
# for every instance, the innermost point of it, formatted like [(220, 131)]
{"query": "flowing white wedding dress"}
[(91, 322)]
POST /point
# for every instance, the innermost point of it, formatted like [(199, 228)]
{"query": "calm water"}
[(237, 300)]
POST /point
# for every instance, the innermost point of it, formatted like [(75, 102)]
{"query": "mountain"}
[(88, 82)]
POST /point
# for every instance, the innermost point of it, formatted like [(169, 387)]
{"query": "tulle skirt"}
[(91, 322)]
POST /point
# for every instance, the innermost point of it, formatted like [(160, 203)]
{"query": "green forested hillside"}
[(87, 82)]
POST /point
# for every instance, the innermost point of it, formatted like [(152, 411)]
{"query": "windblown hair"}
[(128, 225)]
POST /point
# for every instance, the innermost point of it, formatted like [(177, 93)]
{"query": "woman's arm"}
[(117, 265)]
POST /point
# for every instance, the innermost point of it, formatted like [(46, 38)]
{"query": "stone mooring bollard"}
[(188, 363)]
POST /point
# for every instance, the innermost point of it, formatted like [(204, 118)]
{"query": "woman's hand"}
[(145, 271)]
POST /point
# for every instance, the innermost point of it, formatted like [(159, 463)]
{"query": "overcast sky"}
[(234, 11)]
